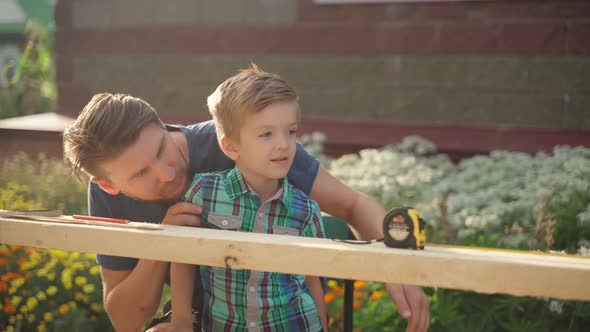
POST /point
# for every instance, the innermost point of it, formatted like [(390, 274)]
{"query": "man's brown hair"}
[(251, 90), (107, 125)]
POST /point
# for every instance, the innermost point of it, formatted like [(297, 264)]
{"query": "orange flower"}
[(329, 297), (4, 251), (14, 247), (3, 286), (10, 309), (21, 261), (338, 289), (376, 295), (29, 250), (356, 305), (9, 276), (4, 261), (8, 306), (357, 295), (63, 309), (360, 284)]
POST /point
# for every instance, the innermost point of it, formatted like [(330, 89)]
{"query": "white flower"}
[(556, 306)]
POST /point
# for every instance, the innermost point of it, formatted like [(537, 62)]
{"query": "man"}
[(139, 170)]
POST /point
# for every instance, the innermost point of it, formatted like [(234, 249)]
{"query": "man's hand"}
[(170, 327), (183, 214), (412, 305)]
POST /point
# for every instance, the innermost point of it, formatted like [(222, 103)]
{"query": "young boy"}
[(256, 117)]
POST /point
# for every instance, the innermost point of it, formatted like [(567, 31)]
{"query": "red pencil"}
[(93, 218)]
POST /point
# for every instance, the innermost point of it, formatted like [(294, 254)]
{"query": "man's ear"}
[(106, 185), (229, 147)]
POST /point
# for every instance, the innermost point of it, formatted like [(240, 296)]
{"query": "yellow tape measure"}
[(403, 228)]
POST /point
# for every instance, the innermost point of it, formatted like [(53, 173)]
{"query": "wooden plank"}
[(70, 220), (472, 269)]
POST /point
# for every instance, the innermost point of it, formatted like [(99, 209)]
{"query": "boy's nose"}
[(282, 142)]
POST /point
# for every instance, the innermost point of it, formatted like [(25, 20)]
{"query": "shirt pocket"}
[(282, 230), (225, 221)]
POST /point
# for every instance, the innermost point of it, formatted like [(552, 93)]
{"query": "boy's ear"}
[(106, 185), (228, 146)]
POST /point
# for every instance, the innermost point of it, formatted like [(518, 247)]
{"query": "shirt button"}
[(224, 222), (252, 324), (252, 289)]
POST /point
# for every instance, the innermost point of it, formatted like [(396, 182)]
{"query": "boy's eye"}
[(293, 132), (266, 134)]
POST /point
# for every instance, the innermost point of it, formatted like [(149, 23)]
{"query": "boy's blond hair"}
[(251, 90)]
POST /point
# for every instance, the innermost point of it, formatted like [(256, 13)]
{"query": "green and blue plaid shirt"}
[(240, 300)]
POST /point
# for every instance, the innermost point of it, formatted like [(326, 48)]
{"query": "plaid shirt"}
[(239, 300)]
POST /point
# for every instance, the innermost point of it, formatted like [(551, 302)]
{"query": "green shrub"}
[(516, 200), (395, 175), (31, 88), (46, 290), (50, 290), (505, 199), (42, 182)]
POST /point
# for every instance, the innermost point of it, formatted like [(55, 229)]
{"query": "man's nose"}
[(166, 172)]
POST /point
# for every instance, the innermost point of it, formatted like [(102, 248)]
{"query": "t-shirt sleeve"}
[(313, 226), (304, 170), (102, 204)]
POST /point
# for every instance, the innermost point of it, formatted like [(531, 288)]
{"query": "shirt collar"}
[(236, 186)]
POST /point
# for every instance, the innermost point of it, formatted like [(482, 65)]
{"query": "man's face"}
[(268, 141), (152, 169)]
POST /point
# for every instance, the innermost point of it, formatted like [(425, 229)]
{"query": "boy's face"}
[(267, 144), (152, 169)]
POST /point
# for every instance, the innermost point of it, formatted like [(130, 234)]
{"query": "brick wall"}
[(510, 70)]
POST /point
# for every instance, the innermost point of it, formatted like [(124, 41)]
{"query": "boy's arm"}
[(182, 278), (313, 227), (365, 215), (315, 288)]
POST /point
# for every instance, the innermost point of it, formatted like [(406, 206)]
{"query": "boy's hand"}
[(412, 305), (183, 214), (170, 327)]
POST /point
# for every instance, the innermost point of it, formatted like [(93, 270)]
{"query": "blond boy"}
[(256, 118)]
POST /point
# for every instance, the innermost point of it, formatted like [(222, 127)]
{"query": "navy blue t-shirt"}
[(204, 156)]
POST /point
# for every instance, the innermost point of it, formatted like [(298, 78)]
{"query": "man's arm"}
[(131, 297), (360, 211), (365, 215)]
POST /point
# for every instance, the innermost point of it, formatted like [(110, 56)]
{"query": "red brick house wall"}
[(471, 76)]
